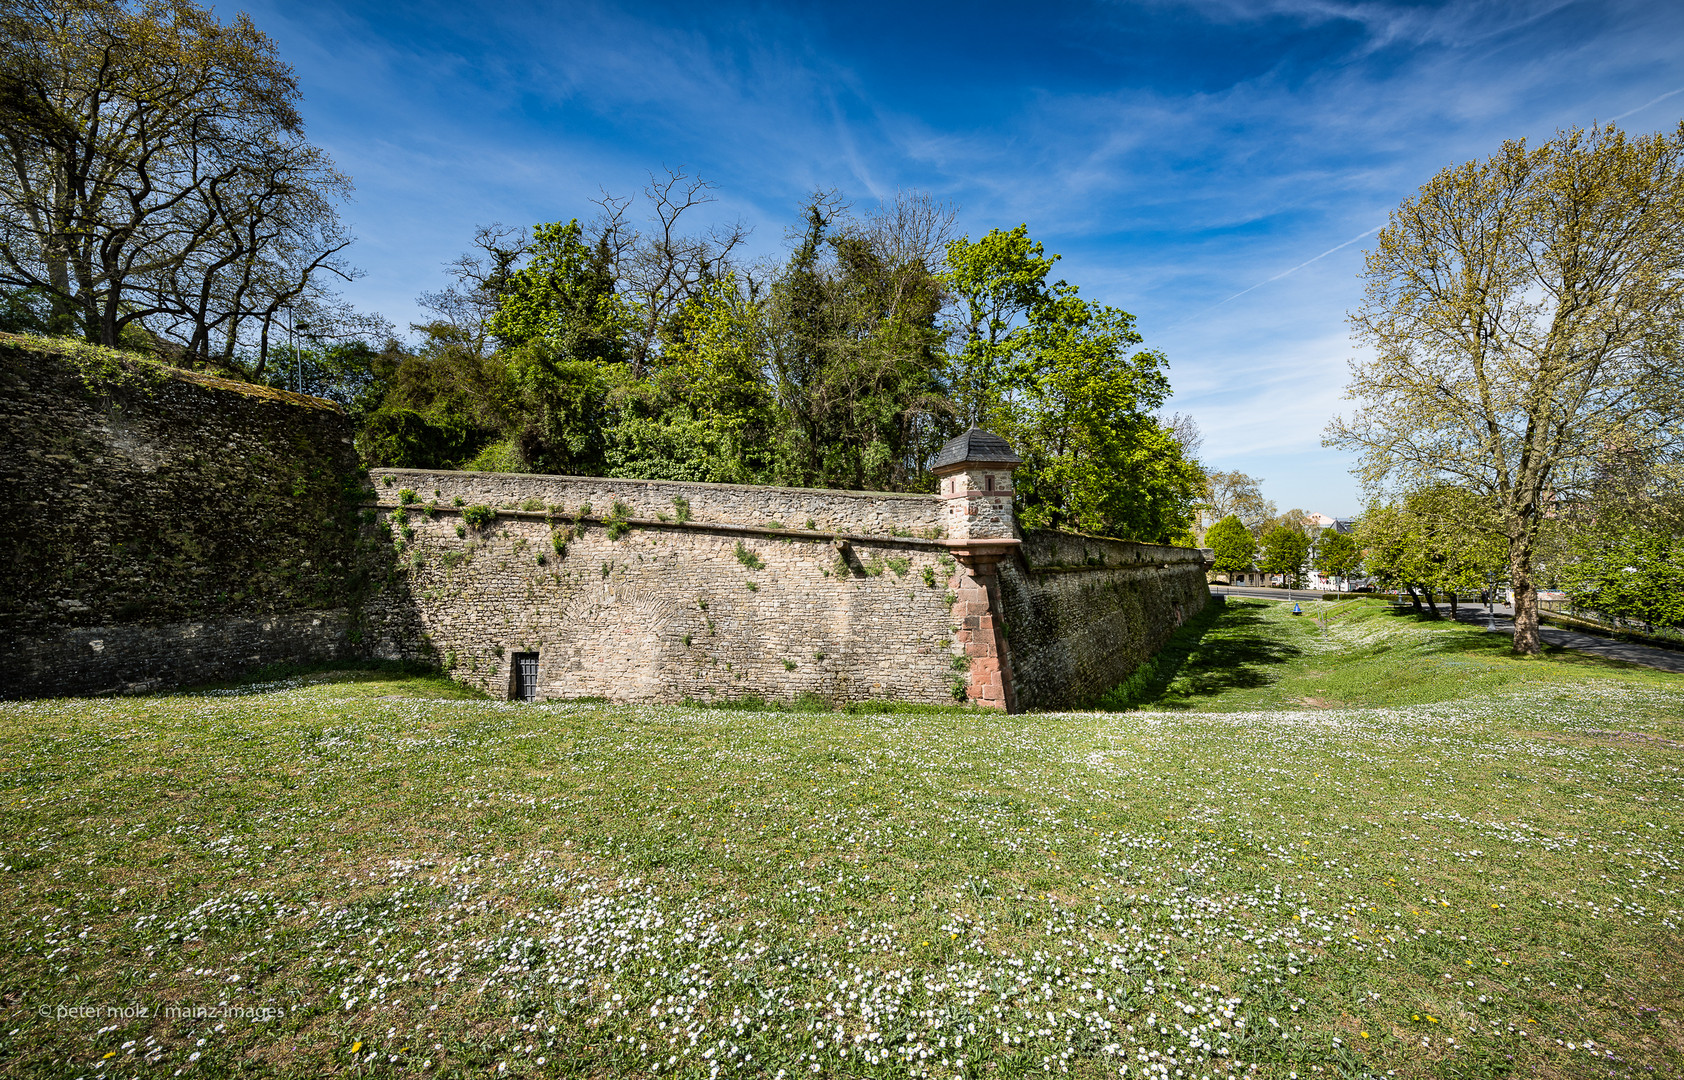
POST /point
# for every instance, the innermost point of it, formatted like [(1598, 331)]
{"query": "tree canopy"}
[(1286, 548), (157, 182), (159, 193), (1337, 555), (1233, 543), (878, 337), (1525, 313)]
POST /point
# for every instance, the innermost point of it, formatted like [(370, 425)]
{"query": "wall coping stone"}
[(910, 495), (824, 535)]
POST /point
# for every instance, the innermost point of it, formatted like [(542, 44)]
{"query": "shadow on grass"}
[(1479, 641), (1225, 647), (424, 675)]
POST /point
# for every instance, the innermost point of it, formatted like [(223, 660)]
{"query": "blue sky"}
[(1215, 167)]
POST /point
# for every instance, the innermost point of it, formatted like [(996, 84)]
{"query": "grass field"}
[(1368, 847)]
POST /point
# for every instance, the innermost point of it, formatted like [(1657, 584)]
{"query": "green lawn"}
[(1469, 868), (1255, 654)]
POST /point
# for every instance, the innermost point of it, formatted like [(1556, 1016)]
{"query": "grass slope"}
[(355, 875), (1255, 654)]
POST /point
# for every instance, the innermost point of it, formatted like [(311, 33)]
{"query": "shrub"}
[(532, 504), (900, 566), (406, 496), (617, 515), (789, 665), (749, 558), (681, 507), (461, 530), (930, 576), (478, 516), (752, 587)]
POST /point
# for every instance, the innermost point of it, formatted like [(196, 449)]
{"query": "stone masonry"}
[(179, 527)]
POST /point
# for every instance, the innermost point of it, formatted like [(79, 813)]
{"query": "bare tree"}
[(1185, 431), (1237, 494), (662, 267), (466, 305)]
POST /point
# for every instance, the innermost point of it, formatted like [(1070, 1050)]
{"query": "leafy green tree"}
[(1439, 539), (1060, 378), (1337, 555), (855, 356), (706, 413), (1523, 314), (1628, 573), (25, 311), (563, 298), (1285, 550), (437, 408), (1233, 543), (998, 282)]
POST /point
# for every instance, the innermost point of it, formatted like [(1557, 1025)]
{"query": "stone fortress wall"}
[(166, 527), (202, 527)]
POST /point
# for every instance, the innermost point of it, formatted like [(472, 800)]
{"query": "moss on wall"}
[(143, 495)]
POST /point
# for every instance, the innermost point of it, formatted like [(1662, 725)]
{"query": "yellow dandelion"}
[(358, 1045)]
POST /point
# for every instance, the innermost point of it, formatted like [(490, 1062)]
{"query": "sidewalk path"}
[(1608, 648)]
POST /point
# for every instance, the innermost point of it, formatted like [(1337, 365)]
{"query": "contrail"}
[(1646, 104), (1302, 265)]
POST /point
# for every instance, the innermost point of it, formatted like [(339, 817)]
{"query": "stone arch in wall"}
[(614, 641)]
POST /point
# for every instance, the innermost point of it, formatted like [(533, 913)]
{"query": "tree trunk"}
[(1416, 600), (1432, 607), (1452, 603), (1526, 641)]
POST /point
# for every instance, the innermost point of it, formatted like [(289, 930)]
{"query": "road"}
[(1501, 621)]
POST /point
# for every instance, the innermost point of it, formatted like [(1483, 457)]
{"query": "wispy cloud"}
[(1173, 151), (1647, 104)]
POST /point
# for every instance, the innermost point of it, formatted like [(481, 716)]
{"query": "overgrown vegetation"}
[(601, 349)]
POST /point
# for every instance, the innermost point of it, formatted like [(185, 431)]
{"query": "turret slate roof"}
[(976, 445)]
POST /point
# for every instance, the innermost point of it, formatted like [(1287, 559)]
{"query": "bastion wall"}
[(166, 526), (182, 528)]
